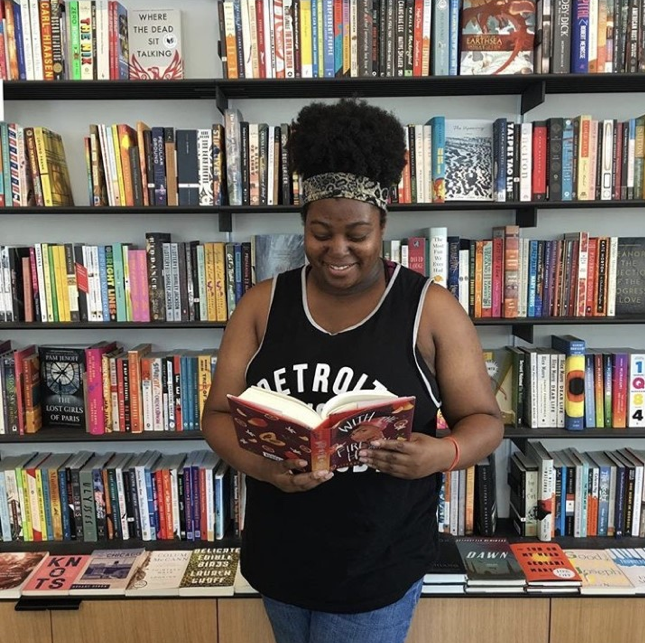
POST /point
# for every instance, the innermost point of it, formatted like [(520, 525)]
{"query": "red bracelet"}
[(455, 462)]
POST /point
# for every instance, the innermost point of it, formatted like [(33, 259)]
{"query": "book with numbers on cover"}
[(280, 427)]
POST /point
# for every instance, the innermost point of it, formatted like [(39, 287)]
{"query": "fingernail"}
[(329, 475), (321, 475), (302, 463), (362, 453), (375, 444)]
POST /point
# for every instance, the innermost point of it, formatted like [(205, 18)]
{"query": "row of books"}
[(119, 282), (212, 571), (596, 493), (558, 159), (467, 502), (147, 496), (103, 387), (507, 276), (569, 385), (88, 40), (495, 565), (33, 167)]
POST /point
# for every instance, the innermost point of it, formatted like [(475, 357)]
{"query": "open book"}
[(281, 427)]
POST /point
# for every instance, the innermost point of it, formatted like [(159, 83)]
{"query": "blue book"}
[(574, 349), (533, 257), (438, 137), (329, 44), (590, 405), (314, 38), (580, 37), (440, 40), (605, 466)]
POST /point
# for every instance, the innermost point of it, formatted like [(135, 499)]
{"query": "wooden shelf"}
[(58, 434)]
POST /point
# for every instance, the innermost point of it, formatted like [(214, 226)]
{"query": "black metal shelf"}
[(111, 89), (60, 434), (109, 325), (532, 88), (525, 433)]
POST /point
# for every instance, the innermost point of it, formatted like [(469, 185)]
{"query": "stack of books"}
[(546, 568), (447, 574)]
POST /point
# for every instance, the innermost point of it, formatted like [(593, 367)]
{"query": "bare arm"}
[(450, 347), (240, 342)]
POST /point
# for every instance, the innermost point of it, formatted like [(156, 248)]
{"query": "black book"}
[(485, 503), (62, 370), (448, 568), (156, 286), (187, 167), (554, 172), (630, 276)]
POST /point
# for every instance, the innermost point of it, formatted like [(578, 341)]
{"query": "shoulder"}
[(252, 310)]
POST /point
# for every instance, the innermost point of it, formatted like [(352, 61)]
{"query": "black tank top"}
[(359, 541)]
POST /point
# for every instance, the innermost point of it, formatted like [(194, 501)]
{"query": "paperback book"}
[(108, 572), (632, 563), (490, 562), (154, 37), (280, 427), (159, 574), (15, 570), (211, 572), (599, 573), (55, 575)]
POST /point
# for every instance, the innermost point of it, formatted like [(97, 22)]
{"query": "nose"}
[(338, 245)]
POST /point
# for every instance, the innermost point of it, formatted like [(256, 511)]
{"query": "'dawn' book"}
[(490, 561), (280, 427)]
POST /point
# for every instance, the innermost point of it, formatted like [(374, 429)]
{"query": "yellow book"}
[(306, 44), (52, 163), (39, 139), (220, 281), (209, 261), (65, 282), (584, 158), (50, 284), (60, 277), (230, 40), (114, 131), (27, 522), (40, 497), (320, 36), (57, 516), (203, 379)]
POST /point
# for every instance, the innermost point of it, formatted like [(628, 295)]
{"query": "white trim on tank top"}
[(415, 333)]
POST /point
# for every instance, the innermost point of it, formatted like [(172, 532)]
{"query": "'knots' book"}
[(280, 427)]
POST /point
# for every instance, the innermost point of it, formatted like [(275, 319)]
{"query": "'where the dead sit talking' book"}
[(280, 427)]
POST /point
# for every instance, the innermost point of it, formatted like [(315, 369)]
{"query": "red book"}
[(498, 271), (95, 401), (279, 427), (55, 575), (417, 255), (545, 565), (539, 160)]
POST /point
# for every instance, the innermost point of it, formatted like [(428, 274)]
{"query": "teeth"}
[(338, 267)]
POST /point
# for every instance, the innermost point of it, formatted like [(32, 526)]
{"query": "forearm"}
[(219, 433), (477, 436)]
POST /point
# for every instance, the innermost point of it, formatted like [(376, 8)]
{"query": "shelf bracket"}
[(533, 96), (520, 443), (523, 331), (225, 222), (220, 99), (526, 217)]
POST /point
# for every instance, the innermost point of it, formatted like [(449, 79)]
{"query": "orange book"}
[(545, 565), (134, 372), (127, 138)]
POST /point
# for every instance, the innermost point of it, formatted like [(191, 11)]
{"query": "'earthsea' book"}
[(280, 427)]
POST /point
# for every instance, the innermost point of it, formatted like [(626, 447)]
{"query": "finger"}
[(400, 446), (307, 481), (293, 466)]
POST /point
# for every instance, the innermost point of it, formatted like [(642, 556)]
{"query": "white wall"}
[(200, 34)]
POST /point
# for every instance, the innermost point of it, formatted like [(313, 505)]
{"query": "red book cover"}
[(55, 575), (418, 38), (545, 564), (539, 160), (591, 276), (498, 271), (417, 255), (279, 427)]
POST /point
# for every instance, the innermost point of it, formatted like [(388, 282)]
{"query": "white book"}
[(546, 482), (526, 161), (102, 61), (27, 39), (204, 156), (611, 277), (353, 43), (156, 371), (34, 17), (464, 279), (271, 178), (438, 259), (247, 50), (159, 574), (120, 463), (289, 54), (606, 179), (420, 173)]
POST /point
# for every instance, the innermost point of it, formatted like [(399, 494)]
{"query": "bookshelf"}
[(68, 107)]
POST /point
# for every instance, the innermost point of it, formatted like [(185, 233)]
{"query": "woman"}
[(340, 556)]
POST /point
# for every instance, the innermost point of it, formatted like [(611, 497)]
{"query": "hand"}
[(421, 456), (288, 476)]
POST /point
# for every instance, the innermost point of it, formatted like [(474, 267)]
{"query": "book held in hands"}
[(280, 427)]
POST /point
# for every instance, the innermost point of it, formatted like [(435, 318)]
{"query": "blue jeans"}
[(389, 624)]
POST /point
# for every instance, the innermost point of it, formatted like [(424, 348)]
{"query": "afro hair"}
[(348, 136)]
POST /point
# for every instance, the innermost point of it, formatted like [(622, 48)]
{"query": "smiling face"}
[(343, 241)]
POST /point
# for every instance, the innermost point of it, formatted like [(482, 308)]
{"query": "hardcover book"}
[(15, 571), (154, 37), (108, 572), (159, 574), (448, 568), (499, 365), (497, 37), (55, 575), (630, 276), (545, 565), (599, 573), (211, 572), (279, 427), (490, 562), (469, 160), (62, 370)]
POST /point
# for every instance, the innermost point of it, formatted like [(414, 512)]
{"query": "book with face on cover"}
[(108, 572), (55, 575), (211, 572), (159, 574), (16, 569), (280, 427)]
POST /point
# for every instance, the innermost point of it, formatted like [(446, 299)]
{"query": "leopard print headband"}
[(348, 186)]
